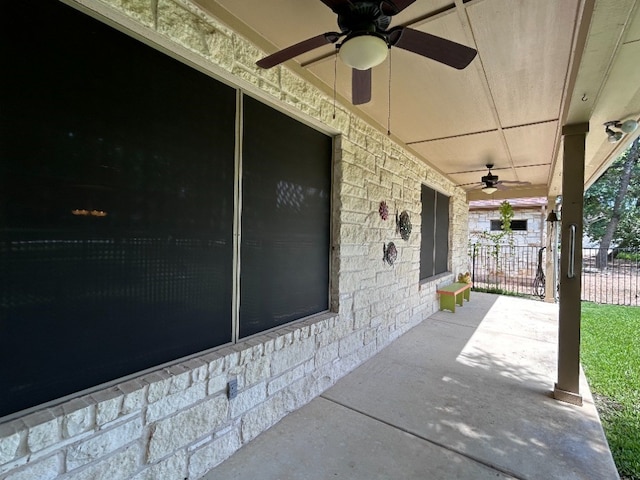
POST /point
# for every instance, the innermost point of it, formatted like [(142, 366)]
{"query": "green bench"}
[(454, 294)]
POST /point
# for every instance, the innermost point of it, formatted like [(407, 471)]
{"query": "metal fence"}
[(607, 276), (611, 276), (507, 269)]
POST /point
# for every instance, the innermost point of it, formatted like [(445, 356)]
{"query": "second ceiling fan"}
[(367, 38)]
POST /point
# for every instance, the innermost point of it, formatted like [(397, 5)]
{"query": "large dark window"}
[(516, 225), (116, 205), (434, 247), (286, 184)]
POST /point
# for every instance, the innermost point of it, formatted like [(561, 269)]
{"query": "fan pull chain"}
[(335, 76), (389, 108)]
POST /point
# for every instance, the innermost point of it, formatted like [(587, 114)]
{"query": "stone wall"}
[(177, 422), (480, 221)]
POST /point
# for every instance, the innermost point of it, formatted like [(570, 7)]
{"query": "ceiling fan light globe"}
[(629, 126), (364, 52), (489, 190)]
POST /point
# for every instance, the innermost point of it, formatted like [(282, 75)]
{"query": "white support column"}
[(567, 388)]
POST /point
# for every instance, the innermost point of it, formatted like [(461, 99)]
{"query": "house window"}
[(119, 183), (516, 225), (434, 247), (286, 209)]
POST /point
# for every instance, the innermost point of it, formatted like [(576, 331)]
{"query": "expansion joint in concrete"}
[(475, 459)]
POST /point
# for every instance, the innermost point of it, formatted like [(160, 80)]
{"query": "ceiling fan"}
[(367, 40), (491, 183)]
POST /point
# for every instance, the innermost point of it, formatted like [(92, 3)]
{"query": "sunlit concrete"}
[(461, 396)]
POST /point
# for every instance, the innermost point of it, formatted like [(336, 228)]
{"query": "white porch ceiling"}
[(541, 64)]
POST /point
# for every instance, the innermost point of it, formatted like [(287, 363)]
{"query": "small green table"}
[(454, 294)]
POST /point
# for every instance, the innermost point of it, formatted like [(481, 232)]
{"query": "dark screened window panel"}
[(286, 203), (442, 234), (116, 206), (434, 246), (516, 225)]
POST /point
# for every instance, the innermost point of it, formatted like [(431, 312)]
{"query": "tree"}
[(612, 204)]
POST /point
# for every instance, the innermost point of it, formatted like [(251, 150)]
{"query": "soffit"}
[(507, 106)]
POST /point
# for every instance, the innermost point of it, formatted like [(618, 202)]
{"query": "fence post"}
[(473, 265)]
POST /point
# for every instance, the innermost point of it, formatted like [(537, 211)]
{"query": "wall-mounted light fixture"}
[(552, 217), (628, 126)]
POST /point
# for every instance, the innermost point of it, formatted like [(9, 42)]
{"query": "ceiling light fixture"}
[(363, 52), (489, 189), (628, 126)]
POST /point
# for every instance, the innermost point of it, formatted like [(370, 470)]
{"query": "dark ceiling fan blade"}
[(514, 182), (336, 5), (437, 48), (393, 7), (298, 49), (360, 86)]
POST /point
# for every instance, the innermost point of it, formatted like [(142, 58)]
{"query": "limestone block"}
[(291, 356), (177, 401), (183, 27), (173, 467), (356, 191), (327, 354), (78, 417), (121, 465), (246, 55), (159, 385), (246, 354), (199, 370), (108, 405), (269, 346), (262, 417), (180, 378), (188, 426), (353, 234), (103, 444), (247, 399), (135, 394), (44, 430), (231, 358), (215, 362), (298, 88), (46, 469), (207, 457), (354, 174), (217, 384), (337, 117), (285, 380), (221, 49), (139, 10), (351, 343), (306, 389), (9, 443), (257, 370)]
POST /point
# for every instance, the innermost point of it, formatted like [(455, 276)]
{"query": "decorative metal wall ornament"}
[(403, 225), (389, 253), (383, 210)]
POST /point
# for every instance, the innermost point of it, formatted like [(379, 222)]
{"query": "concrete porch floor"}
[(460, 396)]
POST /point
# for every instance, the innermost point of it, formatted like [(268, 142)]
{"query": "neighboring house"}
[(528, 225)]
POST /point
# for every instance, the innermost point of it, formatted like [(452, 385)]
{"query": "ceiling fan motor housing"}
[(363, 17), (490, 178)]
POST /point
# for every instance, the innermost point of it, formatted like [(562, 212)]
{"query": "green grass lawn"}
[(610, 357)]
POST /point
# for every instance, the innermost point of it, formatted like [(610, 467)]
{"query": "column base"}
[(566, 396)]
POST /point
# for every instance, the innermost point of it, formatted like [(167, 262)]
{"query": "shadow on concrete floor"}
[(460, 396)]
